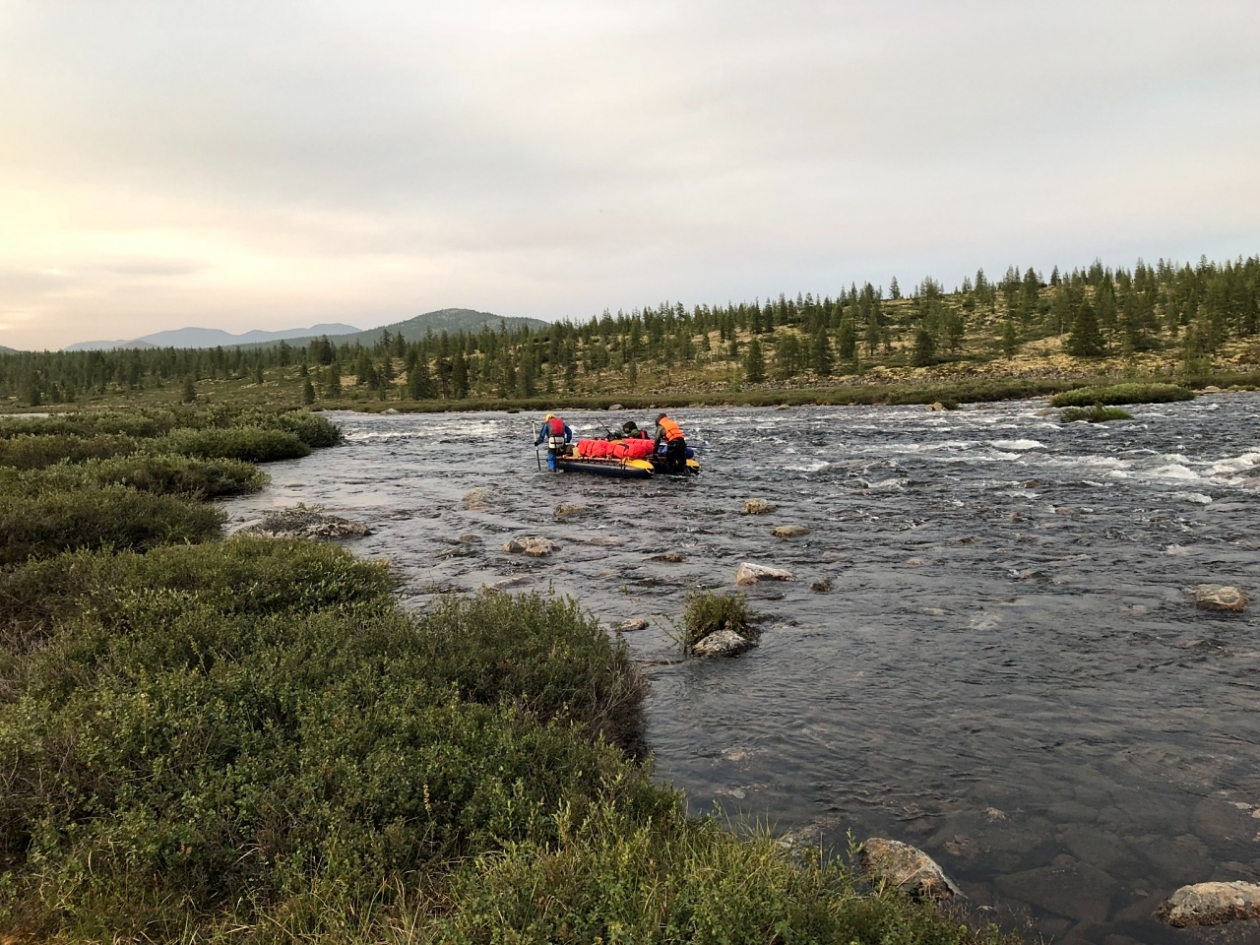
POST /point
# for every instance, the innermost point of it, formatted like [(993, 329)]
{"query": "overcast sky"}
[(265, 164)]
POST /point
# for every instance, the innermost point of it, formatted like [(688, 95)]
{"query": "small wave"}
[(1174, 471), (1234, 465), (814, 467), (1018, 445), (1196, 497)]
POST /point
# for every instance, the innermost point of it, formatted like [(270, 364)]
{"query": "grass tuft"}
[(706, 613), (1095, 414)]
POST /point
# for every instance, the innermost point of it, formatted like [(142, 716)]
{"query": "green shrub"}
[(1094, 414), (554, 661), (53, 522), (116, 422), (35, 451), (1122, 394), (238, 576), (315, 431), (706, 613), (162, 475), (249, 444), (615, 879)]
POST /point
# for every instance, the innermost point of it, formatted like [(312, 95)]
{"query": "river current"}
[(1008, 671)]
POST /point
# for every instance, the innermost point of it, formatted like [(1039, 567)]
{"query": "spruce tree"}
[(332, 383), (924, 352), (1085, 341), (754, 362), (308, 392), (821, 359)]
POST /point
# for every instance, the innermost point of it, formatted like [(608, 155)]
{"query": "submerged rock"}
[(1210, 904), (478, 500), (906, 867), (789, 531), (758, 506), (820, 587), (532, 545), (301, 522), (570, 510), (750, 573), (630, 626), (722, 643), (669, 557), (1220, 597)]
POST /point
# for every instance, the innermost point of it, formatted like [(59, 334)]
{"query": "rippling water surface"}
[(1007, 673)]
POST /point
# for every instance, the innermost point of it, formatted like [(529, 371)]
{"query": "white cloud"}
[(247, 165)]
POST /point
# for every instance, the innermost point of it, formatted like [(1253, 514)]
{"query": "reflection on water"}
[(1008, 672)]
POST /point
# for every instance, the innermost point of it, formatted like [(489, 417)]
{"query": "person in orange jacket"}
[(675, 444)]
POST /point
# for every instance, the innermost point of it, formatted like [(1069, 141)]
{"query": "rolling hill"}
[(213, 337), (449, 320)]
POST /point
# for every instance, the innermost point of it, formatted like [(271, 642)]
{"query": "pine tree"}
[(924, 352), (821, 359), (846, 339), (1010, 338), (894, 290), (419, 382), (332, 383), (754, 362), (1085, 341), (308, 392)]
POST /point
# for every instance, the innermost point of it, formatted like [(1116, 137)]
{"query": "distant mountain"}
[(449, 320), (4, 350), (213, 337)]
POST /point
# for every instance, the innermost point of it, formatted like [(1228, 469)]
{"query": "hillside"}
[(449, 320), (213, 338)]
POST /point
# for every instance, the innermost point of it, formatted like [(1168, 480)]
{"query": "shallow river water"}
[(1008, 671)]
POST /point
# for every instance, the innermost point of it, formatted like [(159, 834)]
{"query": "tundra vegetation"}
[(247, 740), (1021, 335)]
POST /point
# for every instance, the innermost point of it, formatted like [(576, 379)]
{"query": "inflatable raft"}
[(621, 459)]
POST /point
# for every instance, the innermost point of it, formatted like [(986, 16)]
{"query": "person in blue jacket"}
[(557, 435)]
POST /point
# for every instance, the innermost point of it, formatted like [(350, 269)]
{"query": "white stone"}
[(750, 573)]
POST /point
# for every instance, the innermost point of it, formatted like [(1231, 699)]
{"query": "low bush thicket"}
[(1122, 394), (162, 475), (35, 451), (250, 444), (113, 516), (313, 430)]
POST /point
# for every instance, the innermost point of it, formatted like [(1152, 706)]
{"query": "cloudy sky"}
[(267, 164)]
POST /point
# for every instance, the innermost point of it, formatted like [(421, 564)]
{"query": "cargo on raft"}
[(622, 459)]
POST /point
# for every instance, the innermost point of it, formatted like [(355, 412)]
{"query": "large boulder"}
[(750, 573), (722, 643), (1211, 904), (532, 545), (906, 867), (1220, 597), (303, 522), (758, 506)]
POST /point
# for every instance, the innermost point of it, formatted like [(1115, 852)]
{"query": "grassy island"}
[(246, 739)]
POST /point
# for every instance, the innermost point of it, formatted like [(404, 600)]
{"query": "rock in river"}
[(532, 545), (906, 867), (758, 506), (477, 500), (301, 522), (570, 510), (749, 573), (1211, 904), (722, 643), (629, 626), (1220, 597), (789, 531)]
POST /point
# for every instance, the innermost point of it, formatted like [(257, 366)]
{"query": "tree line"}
[(1097, 311)]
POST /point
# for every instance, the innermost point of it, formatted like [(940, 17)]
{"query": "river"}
[(1008, 671)]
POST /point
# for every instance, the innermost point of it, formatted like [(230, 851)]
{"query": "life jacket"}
[(672, 430), (554, 426)]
